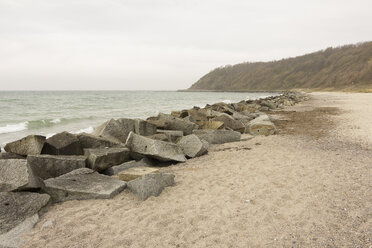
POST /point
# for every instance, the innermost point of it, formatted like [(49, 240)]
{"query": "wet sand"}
[(308, 186)]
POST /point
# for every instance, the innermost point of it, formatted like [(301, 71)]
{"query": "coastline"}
[(307, 186)]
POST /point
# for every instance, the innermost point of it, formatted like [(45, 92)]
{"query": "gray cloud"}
[(164, 44)]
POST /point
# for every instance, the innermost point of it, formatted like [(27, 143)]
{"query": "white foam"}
[(56, 120), (11, 128), (84, 130), (49, 135), (226, 101)]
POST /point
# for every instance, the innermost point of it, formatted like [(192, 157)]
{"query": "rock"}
[(48, 166), (92, 141), (115, 129), (9, 155), (159, 123), (18, 214), (173, 135), (192, 146), (199, 114), (13, 238), (261, 126), (157, 149), (218, 136), (118, 168), (159, 136), (82, 184), (151, 184), (15, 174), (103, 158), (135, 172), (173, 123), (241, 117), (62, 144), (231, 123), (223, 108), (189, 118), (144, 128), (263, 108), (214, 125), (30, 145), (180, 114), (268, 104)]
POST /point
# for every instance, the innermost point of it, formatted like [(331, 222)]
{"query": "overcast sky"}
[(161, 44)]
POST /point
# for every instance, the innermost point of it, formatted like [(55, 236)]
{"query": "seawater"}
[(49, 112)]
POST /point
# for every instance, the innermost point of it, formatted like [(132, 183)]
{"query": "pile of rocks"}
[(121, 153)]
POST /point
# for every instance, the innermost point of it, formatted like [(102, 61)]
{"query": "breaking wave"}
[(38, 124)]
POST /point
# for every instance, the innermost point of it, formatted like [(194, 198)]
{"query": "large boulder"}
[(144, 128), (173, 135), (18, 214), (150, 184), (230, 122), (62, 144), (9, 155), (157, 149), (48, 166), (15, 174), (30, 145), (82, 184), (218, 136), (115, 129), (261, 126), (214, 125), (130, 164), (159, 136), (103, 158), (192, 146), (135, 172), (93, 141), (174, 123)]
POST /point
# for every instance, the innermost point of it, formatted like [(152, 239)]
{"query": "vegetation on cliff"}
[(347, 67)]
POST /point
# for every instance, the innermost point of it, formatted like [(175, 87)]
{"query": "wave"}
[(227, 101), (38, 124), (84, 130), (10, 128)]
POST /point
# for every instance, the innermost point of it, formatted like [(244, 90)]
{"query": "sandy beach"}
[(310, 185)]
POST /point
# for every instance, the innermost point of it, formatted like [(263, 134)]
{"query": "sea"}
[(48, 112)]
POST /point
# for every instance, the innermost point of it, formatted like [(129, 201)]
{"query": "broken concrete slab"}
[(173, 135), (115, 129), (174, 123), (121, 167), (230, 122), (151, 184), (157, 149), (16, 206), (103, 158), (193, 146), (218, 136), (261, 126), (9, 155), (15, 174), (144, 128), (49, 166), (214, 125), (135, 172), (30, 145), (82, 184), (62, 144), (93, 141)]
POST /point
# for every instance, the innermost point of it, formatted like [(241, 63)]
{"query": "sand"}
[(308, 186)]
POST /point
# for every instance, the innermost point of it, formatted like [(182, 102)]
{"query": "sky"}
[(161, 44)]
